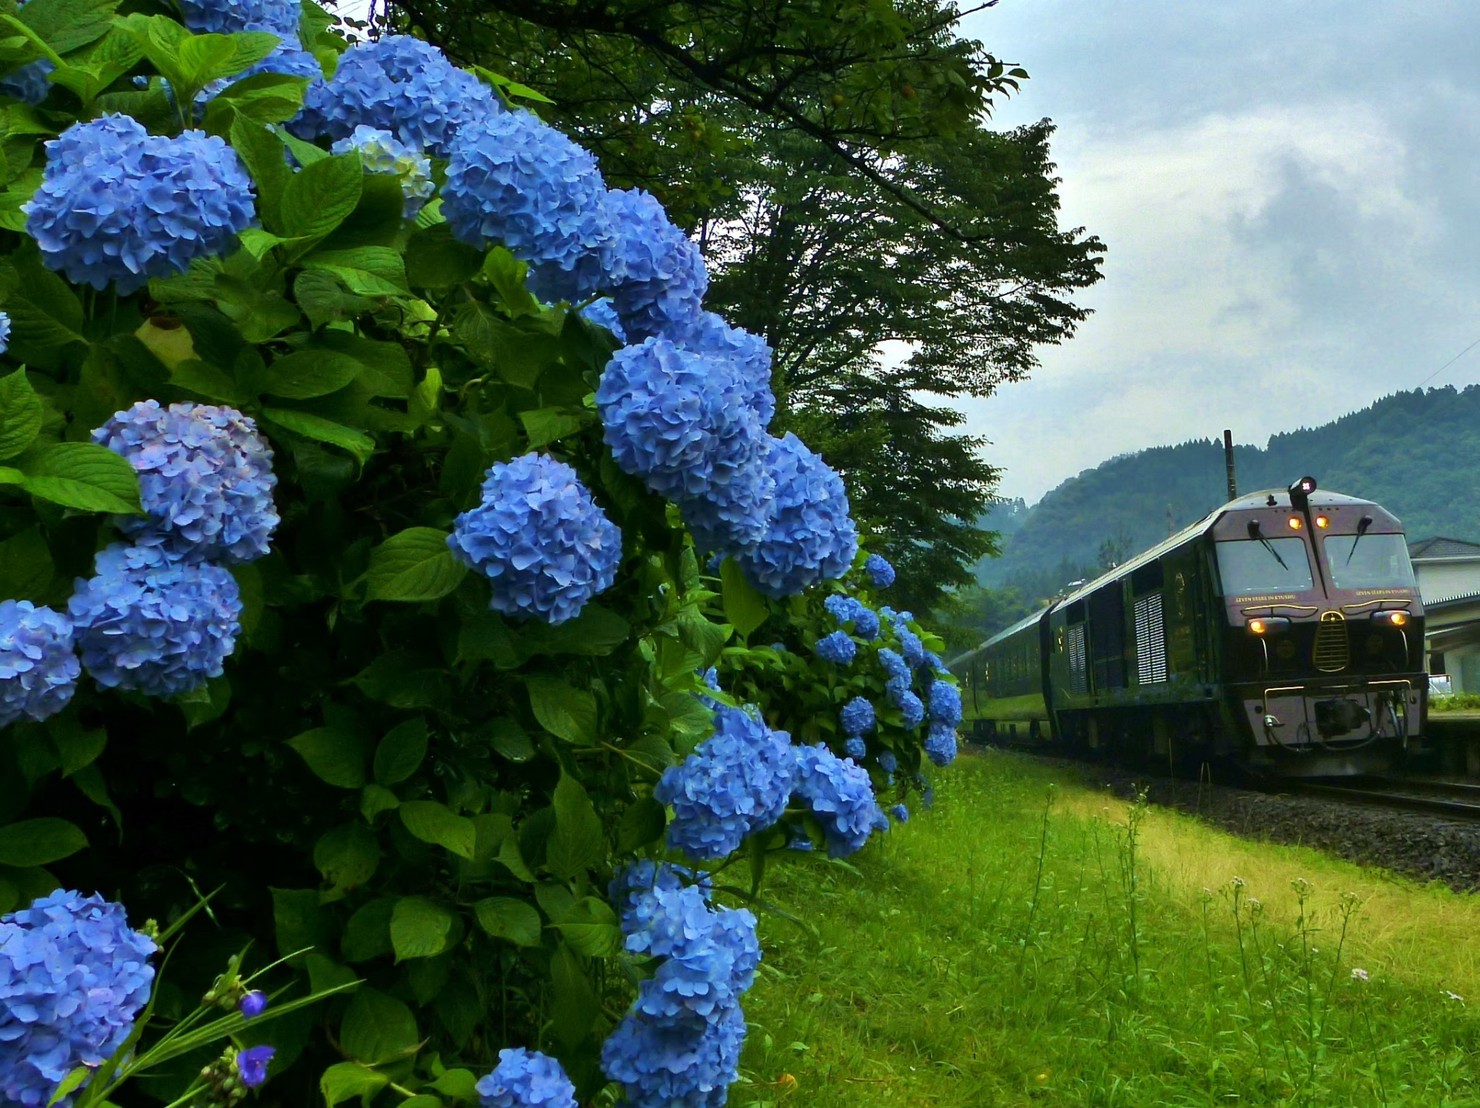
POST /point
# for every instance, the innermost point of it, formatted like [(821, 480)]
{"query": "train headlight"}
[(1323, 522), (1296, 523), (1397, 618), (1267, 625)]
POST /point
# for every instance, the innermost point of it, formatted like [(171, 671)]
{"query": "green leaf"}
[(194, 375), (321, 196), (322, 298), (434, 259), (21, 414), (745, 608), (378, 1028), (335, 757), (563, 710), (591, 928), (421, 928), (365, 270), (38, 842), (595, 631), (458, 1084), (504, 917), (262, 152), (575, 1005), (437, 824), (367, 935), (376, 799), (577, 843), (347, 856), (509, 739), (84, 475), (400, 753), (298, 921), (310, 373), (396, 678), (543, 426), (26, 570), (311, 426), (346, 1080), (413, 566), (642, 822), (66, 25)]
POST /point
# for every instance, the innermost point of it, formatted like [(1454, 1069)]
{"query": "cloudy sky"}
[(1290, 194)]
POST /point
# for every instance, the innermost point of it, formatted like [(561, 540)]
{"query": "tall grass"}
[(1023, 943)]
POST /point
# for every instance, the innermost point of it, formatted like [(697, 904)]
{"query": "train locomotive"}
[(1283, 632)]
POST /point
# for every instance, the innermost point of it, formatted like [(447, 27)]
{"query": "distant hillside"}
[(1416, 453)]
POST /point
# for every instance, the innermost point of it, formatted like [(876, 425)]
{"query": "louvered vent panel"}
[(1078, 673), (1151, 641), (1331, 653)]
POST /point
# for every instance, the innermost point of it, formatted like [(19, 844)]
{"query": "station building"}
[(1448, 573)]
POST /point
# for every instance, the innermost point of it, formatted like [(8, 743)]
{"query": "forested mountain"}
[(1416, 453)]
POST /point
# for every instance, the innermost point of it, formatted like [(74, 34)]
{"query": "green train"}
[(1283, 631)]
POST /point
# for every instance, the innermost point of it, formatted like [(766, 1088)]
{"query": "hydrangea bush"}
[(393, 541)]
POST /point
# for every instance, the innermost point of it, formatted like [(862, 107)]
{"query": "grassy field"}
[(1033, 942)]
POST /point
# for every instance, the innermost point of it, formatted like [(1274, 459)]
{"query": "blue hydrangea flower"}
[(251, 1064), (857, 717), (654, 271), (888, 762), (940, 744), (809, 534), (849, 609), (634, 893), (837, 648), (118, 205), (601, 313), (900, 813), (539, 538), (230, 16), (29, 83), (747, 355), (159, 627), (840, 795), (205, 479), (879, 571), (526, 1079), (381, 152), (945, 703), (399, 84), (855, 747), (680, 421), (911, 708), (735, 783), (688, 1065), (516, 181), (909, 644), (73, 977), (38, 666), (893, 665)]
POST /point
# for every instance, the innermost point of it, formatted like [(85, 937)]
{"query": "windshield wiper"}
[(1362, 526), (1254, 533)]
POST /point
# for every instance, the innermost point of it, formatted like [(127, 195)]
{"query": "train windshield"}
[(1369, 561), (1264, 565)]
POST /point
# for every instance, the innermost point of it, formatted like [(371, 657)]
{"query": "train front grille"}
[(1331, 653)]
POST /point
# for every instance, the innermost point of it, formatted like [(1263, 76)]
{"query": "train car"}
[(1283, 631)]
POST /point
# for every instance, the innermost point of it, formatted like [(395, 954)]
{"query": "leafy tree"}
[(834, 163)]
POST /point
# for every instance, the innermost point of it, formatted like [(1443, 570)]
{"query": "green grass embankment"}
[(1027, 943)]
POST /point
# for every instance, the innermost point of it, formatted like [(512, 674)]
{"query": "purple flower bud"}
[(253, 1003), (251, 1064)]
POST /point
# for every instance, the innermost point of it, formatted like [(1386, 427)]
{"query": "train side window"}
[(1151, 640)]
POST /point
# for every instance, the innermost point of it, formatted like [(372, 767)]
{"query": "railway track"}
[(1435, 796)]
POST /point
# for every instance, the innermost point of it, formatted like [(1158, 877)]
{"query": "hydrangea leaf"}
[(436, 260), (421, 928), (262, 153), (457, 1084), (400, 753), (596, 631), (37, 842), (46, 317), (412, 566), (745, 608), (195, 376), (566, 712), (335, 757), (305, 374), (65, 25), (378, 1028), (311, 426), (86, 476), (439, 825), (641, 823), (21, 414), (26, 568), (575, 1003), (347, 856), (577, 842), (322, 297), (321, 196), (590, 927), (505, 917), (365, 270), (346, 1080), (397, 679), (367, 935), (260, 98), (543, 426)]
